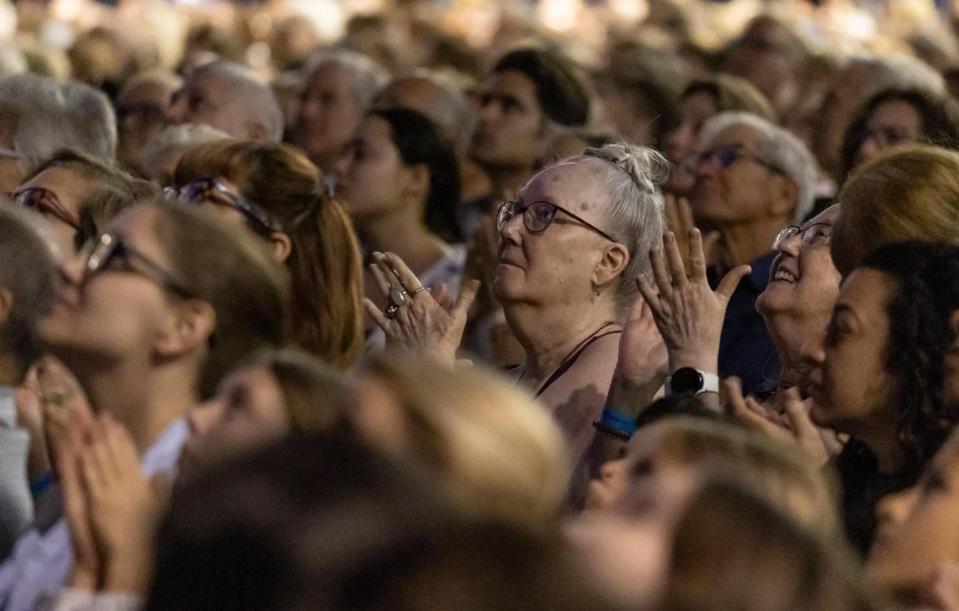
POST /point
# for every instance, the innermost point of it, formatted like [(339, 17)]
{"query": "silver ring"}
[(398, 295), (420, 290), (391, 310)]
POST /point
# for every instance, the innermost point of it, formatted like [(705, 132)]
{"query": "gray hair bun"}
[(648, 169)]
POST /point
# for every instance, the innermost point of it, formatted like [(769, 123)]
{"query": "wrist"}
[(703, 361), (631, 397)]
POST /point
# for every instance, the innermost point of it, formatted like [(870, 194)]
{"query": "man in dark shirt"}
[(752, 179), (745, 349)]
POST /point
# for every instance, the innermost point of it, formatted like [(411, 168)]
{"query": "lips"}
[(783, 272)]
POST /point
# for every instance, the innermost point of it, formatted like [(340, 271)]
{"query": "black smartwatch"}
[(692, 382)]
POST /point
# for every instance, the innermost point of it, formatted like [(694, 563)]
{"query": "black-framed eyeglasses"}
[(727, 155), (212, 190), (814, 234), (537, 216), (45, 202), (111, 252)]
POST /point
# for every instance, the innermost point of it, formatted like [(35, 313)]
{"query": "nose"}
[(869, 148), (488, 111), (204, 416), (176, 109), (511, 229), (72, 269), (792, 246)]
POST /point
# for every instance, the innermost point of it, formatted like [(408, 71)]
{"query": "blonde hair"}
[(780, 474), (910, 192), (497, 452)]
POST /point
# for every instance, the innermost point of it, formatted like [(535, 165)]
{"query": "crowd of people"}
[(395, 320)]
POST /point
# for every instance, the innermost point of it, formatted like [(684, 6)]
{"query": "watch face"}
[(686, 380)]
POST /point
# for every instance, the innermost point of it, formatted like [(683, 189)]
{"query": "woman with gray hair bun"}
[(570, 248)]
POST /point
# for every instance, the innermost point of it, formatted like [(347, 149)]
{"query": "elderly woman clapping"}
[(570, 248)]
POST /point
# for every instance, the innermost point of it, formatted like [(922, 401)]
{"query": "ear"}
[(954, 323), (282, 246), (257, 131), (6, 306), (785, 194), (190, 326), (418, 180), (614, 260)]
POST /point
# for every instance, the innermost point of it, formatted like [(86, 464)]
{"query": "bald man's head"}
[(227, 96), (432, 96)]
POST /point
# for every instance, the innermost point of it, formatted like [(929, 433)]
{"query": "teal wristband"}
[(618, 421)]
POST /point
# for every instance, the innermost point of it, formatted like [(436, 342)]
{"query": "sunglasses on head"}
[(46, 203), (212, 190)]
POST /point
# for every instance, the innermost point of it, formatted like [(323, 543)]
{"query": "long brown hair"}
[(324, 262), (226, 267)]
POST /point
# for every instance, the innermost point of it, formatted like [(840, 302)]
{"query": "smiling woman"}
[(803, 286)]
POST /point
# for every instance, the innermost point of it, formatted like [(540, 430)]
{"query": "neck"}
[(743, 243), (881, 439), (403, 236), (785, 337), (549, 334), (11, 371), (146, 404)]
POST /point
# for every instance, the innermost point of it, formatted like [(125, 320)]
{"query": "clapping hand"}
[(415, 319), (788, 422), (111, 508), (688, 313)]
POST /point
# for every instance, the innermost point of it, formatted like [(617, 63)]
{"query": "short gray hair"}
[(49, 115), (256, 97), (777, 147), (368, 76), (632, 176)]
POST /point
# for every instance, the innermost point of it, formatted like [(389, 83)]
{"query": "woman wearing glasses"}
[(279, 194), (78, 195), (150, 319), (898, 116), (802, 290), (571, 246)]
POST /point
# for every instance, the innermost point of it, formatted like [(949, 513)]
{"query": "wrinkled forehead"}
[(573, 185)]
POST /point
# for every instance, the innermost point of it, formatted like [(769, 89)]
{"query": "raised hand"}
[(688, 313), (123, 507), (789, 423), (679, 220), (412, 317), (87, 567), (642, 365)]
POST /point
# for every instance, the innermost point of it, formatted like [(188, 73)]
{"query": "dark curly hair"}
[(939, 117), (926, 294)]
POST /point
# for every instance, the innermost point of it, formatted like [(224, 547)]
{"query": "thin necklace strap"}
[(571, 357)]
